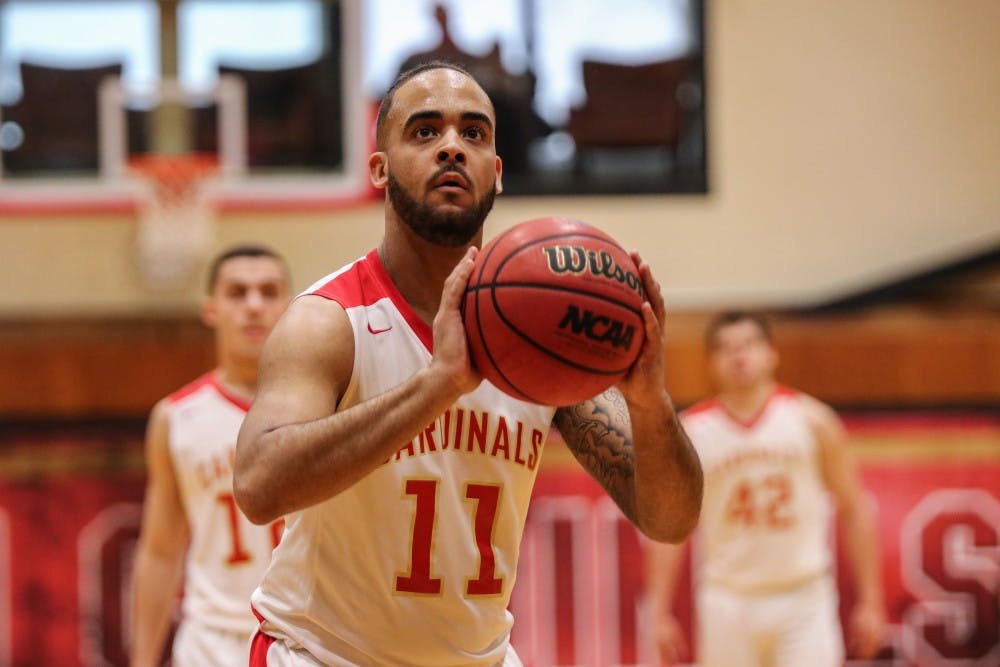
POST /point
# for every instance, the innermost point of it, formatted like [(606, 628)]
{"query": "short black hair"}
[(241, 250), (728, 317), (387, 100)]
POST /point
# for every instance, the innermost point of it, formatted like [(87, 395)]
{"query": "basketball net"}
[(176, 217)]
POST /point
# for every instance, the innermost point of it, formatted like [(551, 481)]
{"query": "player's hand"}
[(451, 351), (867, 629), (670, 644), (644, 382)]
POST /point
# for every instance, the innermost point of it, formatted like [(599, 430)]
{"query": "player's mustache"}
[(450, 167)]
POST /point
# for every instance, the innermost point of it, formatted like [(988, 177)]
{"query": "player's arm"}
[(162, 543), (631, 441), (663, 568), (867, 622), (294, 449)]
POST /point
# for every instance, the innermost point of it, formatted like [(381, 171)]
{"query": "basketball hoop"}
[(176, 216)]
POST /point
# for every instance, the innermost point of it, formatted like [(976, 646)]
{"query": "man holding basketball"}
[(392, 461)]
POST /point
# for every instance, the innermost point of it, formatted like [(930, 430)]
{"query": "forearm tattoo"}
[(597, 432)]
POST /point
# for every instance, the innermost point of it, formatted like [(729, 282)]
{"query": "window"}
[(591, 97), (52, 57)]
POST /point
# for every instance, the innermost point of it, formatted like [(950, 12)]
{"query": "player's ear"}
[(378, 169), (499, 186), (773, 358), (209, 312)]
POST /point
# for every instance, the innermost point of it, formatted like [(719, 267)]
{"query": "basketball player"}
[(189, 507), (405, 480), (772, 456)]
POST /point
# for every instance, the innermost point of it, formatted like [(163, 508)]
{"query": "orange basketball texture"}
[(553, 311)]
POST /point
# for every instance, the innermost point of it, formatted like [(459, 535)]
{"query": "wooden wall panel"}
[(97, 368), (895, 359), (81, 369)]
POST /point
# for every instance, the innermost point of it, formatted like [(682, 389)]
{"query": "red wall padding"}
[(70, 510)]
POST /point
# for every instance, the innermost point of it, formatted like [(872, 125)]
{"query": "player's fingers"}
[(654, 294), (454, 285), (652, 325), (666, 652), (671, 653), (866, 638), (869, 644), (650, 285)]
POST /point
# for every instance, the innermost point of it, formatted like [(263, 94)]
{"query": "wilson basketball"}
[(553, 311)]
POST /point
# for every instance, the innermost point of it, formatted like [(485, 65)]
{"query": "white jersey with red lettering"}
[(766, 514), (414, 564), (227, 555)]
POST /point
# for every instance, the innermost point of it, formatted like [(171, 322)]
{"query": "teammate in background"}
[(765, 591), (189, 506), (405, 480)]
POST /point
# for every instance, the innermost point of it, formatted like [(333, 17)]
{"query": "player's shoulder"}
[(311, 319), (158, 424), (161, 410), (356, 284), (806, 401), (201, 383), (202, 393), (313, 338), (820, 416), (704, 408), (793, 398)]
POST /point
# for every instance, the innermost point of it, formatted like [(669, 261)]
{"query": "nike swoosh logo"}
[(377, 331)]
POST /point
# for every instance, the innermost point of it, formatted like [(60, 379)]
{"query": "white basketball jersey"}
[(227, 555), (765, 515), (414, 564)]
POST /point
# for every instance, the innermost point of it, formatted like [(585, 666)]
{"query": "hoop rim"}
[(174, 166)]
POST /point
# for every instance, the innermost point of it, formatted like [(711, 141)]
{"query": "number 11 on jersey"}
[(419, 579)]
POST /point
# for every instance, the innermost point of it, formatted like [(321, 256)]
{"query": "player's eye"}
[(424, 132), (475, 133)]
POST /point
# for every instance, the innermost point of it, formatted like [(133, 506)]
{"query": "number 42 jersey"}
[(766, 514)]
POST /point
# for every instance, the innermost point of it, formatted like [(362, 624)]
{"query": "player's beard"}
[(451, 229)]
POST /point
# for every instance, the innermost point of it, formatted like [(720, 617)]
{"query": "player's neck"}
[(747, 402), (239, 379), (418, 268)]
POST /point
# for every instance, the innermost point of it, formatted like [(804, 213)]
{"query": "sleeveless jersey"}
[(227, 555), (765, 516), (414, 564)]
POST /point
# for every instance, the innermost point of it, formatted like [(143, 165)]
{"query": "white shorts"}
[(198, 646), (270, 652), (798, 627)]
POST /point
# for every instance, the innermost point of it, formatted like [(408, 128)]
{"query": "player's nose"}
[(450, 149), (254, 300)]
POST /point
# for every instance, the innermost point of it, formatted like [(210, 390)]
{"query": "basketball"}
[(553, 311)]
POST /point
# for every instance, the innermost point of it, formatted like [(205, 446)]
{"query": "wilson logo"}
[(599, 328), (577, 259)]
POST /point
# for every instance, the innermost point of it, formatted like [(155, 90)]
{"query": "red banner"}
[(70, 501)]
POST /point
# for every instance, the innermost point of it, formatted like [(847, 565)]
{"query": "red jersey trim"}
[(714, 403), (261, 642), (190, 388), (210, 379), (706, 405), (259, 647), (779, 391), (367, 282)]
